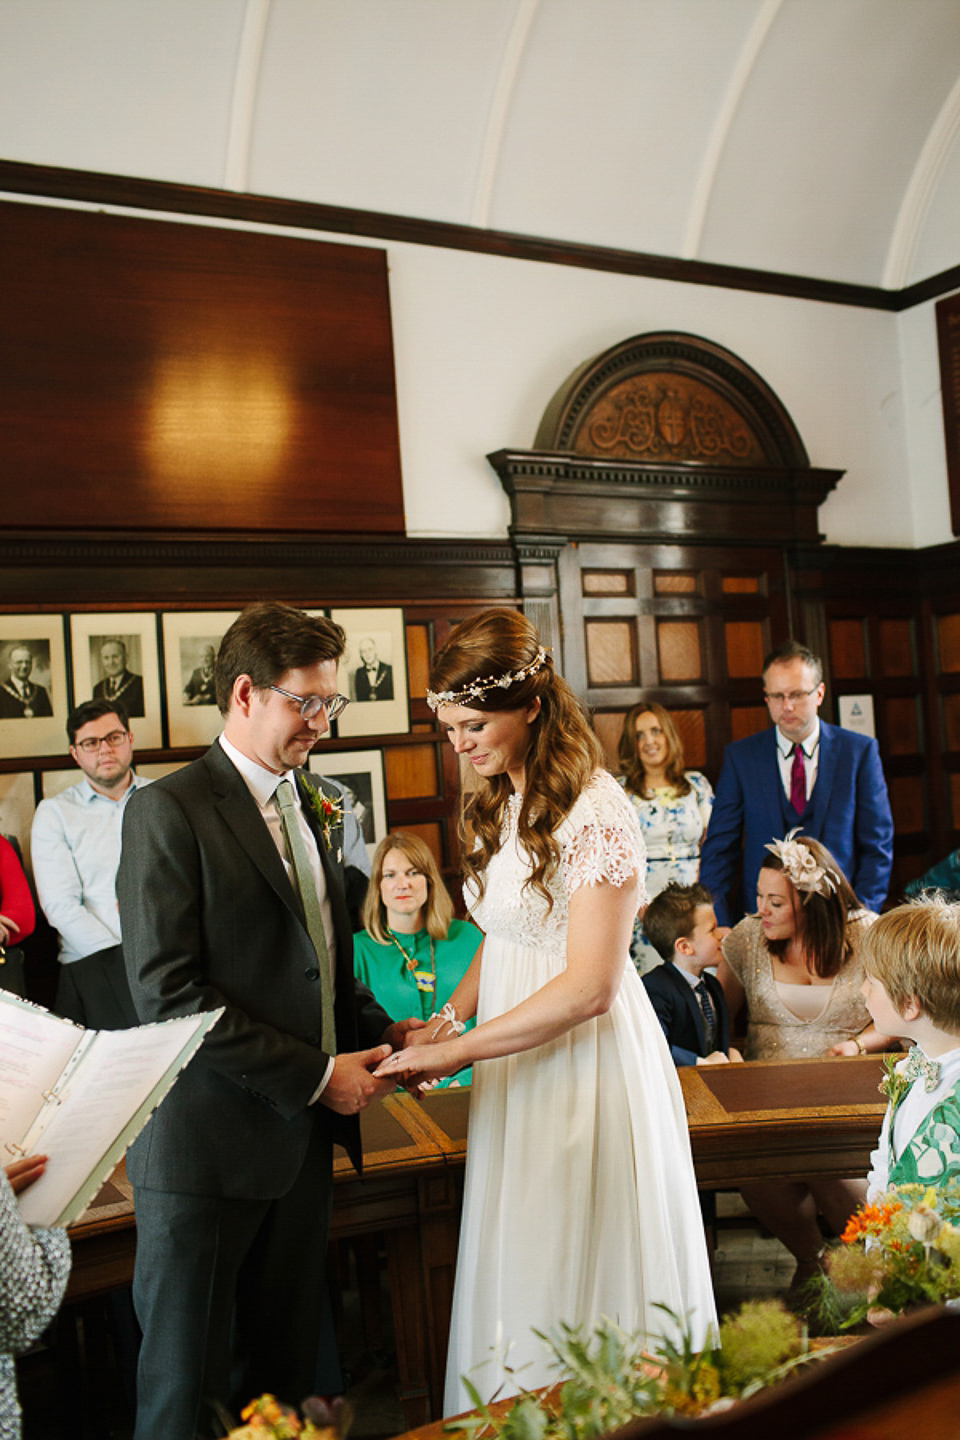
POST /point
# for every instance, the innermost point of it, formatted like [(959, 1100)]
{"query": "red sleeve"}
[(16, 902)]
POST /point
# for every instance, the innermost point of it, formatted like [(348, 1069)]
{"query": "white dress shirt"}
[(75, 852), (262, 784)]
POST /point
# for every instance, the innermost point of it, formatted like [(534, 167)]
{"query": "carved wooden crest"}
[(669, 397)]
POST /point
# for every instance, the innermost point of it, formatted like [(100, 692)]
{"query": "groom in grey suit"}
[(233, 1175)]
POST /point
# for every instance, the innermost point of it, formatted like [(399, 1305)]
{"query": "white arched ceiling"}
[(816, 137)]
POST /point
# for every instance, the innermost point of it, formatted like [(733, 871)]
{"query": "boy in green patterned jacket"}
[(912, 989)]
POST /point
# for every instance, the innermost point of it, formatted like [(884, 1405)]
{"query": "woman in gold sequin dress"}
[(797, 965)]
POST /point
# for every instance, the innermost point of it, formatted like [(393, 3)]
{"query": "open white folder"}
[(80, 1097)]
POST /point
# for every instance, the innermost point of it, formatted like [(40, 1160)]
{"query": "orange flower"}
[(870, 1220)]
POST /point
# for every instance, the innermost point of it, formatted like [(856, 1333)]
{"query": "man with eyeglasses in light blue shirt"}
[(799, 773), (75, 846)]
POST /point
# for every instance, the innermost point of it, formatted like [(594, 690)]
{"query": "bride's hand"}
[(418, 1065)]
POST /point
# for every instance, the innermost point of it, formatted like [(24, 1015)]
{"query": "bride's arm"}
[(598, 942)]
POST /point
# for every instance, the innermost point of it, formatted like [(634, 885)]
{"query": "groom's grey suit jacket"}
[(210, 918)]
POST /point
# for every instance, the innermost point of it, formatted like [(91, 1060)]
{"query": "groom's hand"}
[(352, 1087)]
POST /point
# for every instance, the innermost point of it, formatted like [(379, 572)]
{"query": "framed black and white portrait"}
[(33, 685), (116, 657), (361, 773), (373, 673), (191, 640), (17, 806)]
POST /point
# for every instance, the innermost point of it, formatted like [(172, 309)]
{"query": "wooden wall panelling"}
[(940, 638), (185, 377), (886, 637), (847, 653), (702, 617)]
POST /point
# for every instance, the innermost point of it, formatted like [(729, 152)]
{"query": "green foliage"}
[(613, 1377), (756, 1341)]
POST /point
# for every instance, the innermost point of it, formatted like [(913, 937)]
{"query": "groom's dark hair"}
[(267, 640)]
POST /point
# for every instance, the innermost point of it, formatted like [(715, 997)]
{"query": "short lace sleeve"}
[(601, 838)]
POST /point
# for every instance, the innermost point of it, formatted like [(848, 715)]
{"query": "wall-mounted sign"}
[(856, 713)]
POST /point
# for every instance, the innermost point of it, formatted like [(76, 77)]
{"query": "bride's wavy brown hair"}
[(563, 753)]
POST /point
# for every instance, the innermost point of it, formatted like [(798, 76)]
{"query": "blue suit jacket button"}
[(311, 974)]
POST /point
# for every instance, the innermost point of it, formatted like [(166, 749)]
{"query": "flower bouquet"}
[(616, 1377), (267, 1419), (898, 1253)]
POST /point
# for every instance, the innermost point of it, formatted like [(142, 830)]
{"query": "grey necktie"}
[(297, 850)]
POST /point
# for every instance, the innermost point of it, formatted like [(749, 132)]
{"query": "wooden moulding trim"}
[(91, 187), (37, 548), (563, 473), (63, 572)]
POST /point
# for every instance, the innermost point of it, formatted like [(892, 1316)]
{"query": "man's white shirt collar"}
[(261, 782), (808, 746)]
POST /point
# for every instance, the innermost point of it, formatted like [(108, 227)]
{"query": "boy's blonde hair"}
[(914, 951)]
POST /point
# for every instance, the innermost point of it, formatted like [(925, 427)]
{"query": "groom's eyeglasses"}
[(311, 705)]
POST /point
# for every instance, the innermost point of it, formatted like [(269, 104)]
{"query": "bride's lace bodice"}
[(600, 839)]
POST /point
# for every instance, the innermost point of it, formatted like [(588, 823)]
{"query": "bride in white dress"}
[(580, 1203)]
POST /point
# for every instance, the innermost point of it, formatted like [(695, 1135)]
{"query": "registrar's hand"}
[(355, 1082), (22, 1173)]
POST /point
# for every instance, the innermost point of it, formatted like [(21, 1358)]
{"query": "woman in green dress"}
[(412, 952)]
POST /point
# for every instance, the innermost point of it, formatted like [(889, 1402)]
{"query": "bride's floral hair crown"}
[(800, 866), (478, 688)]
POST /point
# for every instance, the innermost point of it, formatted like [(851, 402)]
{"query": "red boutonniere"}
[(328, 812)]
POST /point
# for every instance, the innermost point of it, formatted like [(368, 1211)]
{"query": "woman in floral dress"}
[(673, 806)]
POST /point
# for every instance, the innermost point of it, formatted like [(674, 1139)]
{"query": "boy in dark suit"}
[(681, 925)]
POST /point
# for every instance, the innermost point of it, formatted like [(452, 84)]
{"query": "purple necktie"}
[(798, 781)]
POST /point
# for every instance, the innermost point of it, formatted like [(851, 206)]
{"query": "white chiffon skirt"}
[(580, 1203)]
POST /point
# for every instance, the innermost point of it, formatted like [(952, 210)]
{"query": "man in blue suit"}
[(799, 773)]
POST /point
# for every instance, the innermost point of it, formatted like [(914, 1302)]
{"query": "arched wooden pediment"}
[(667, 398), (665, 434)]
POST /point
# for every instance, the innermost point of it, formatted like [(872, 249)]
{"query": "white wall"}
[(482, 344), (923, 416), (463, 111)]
